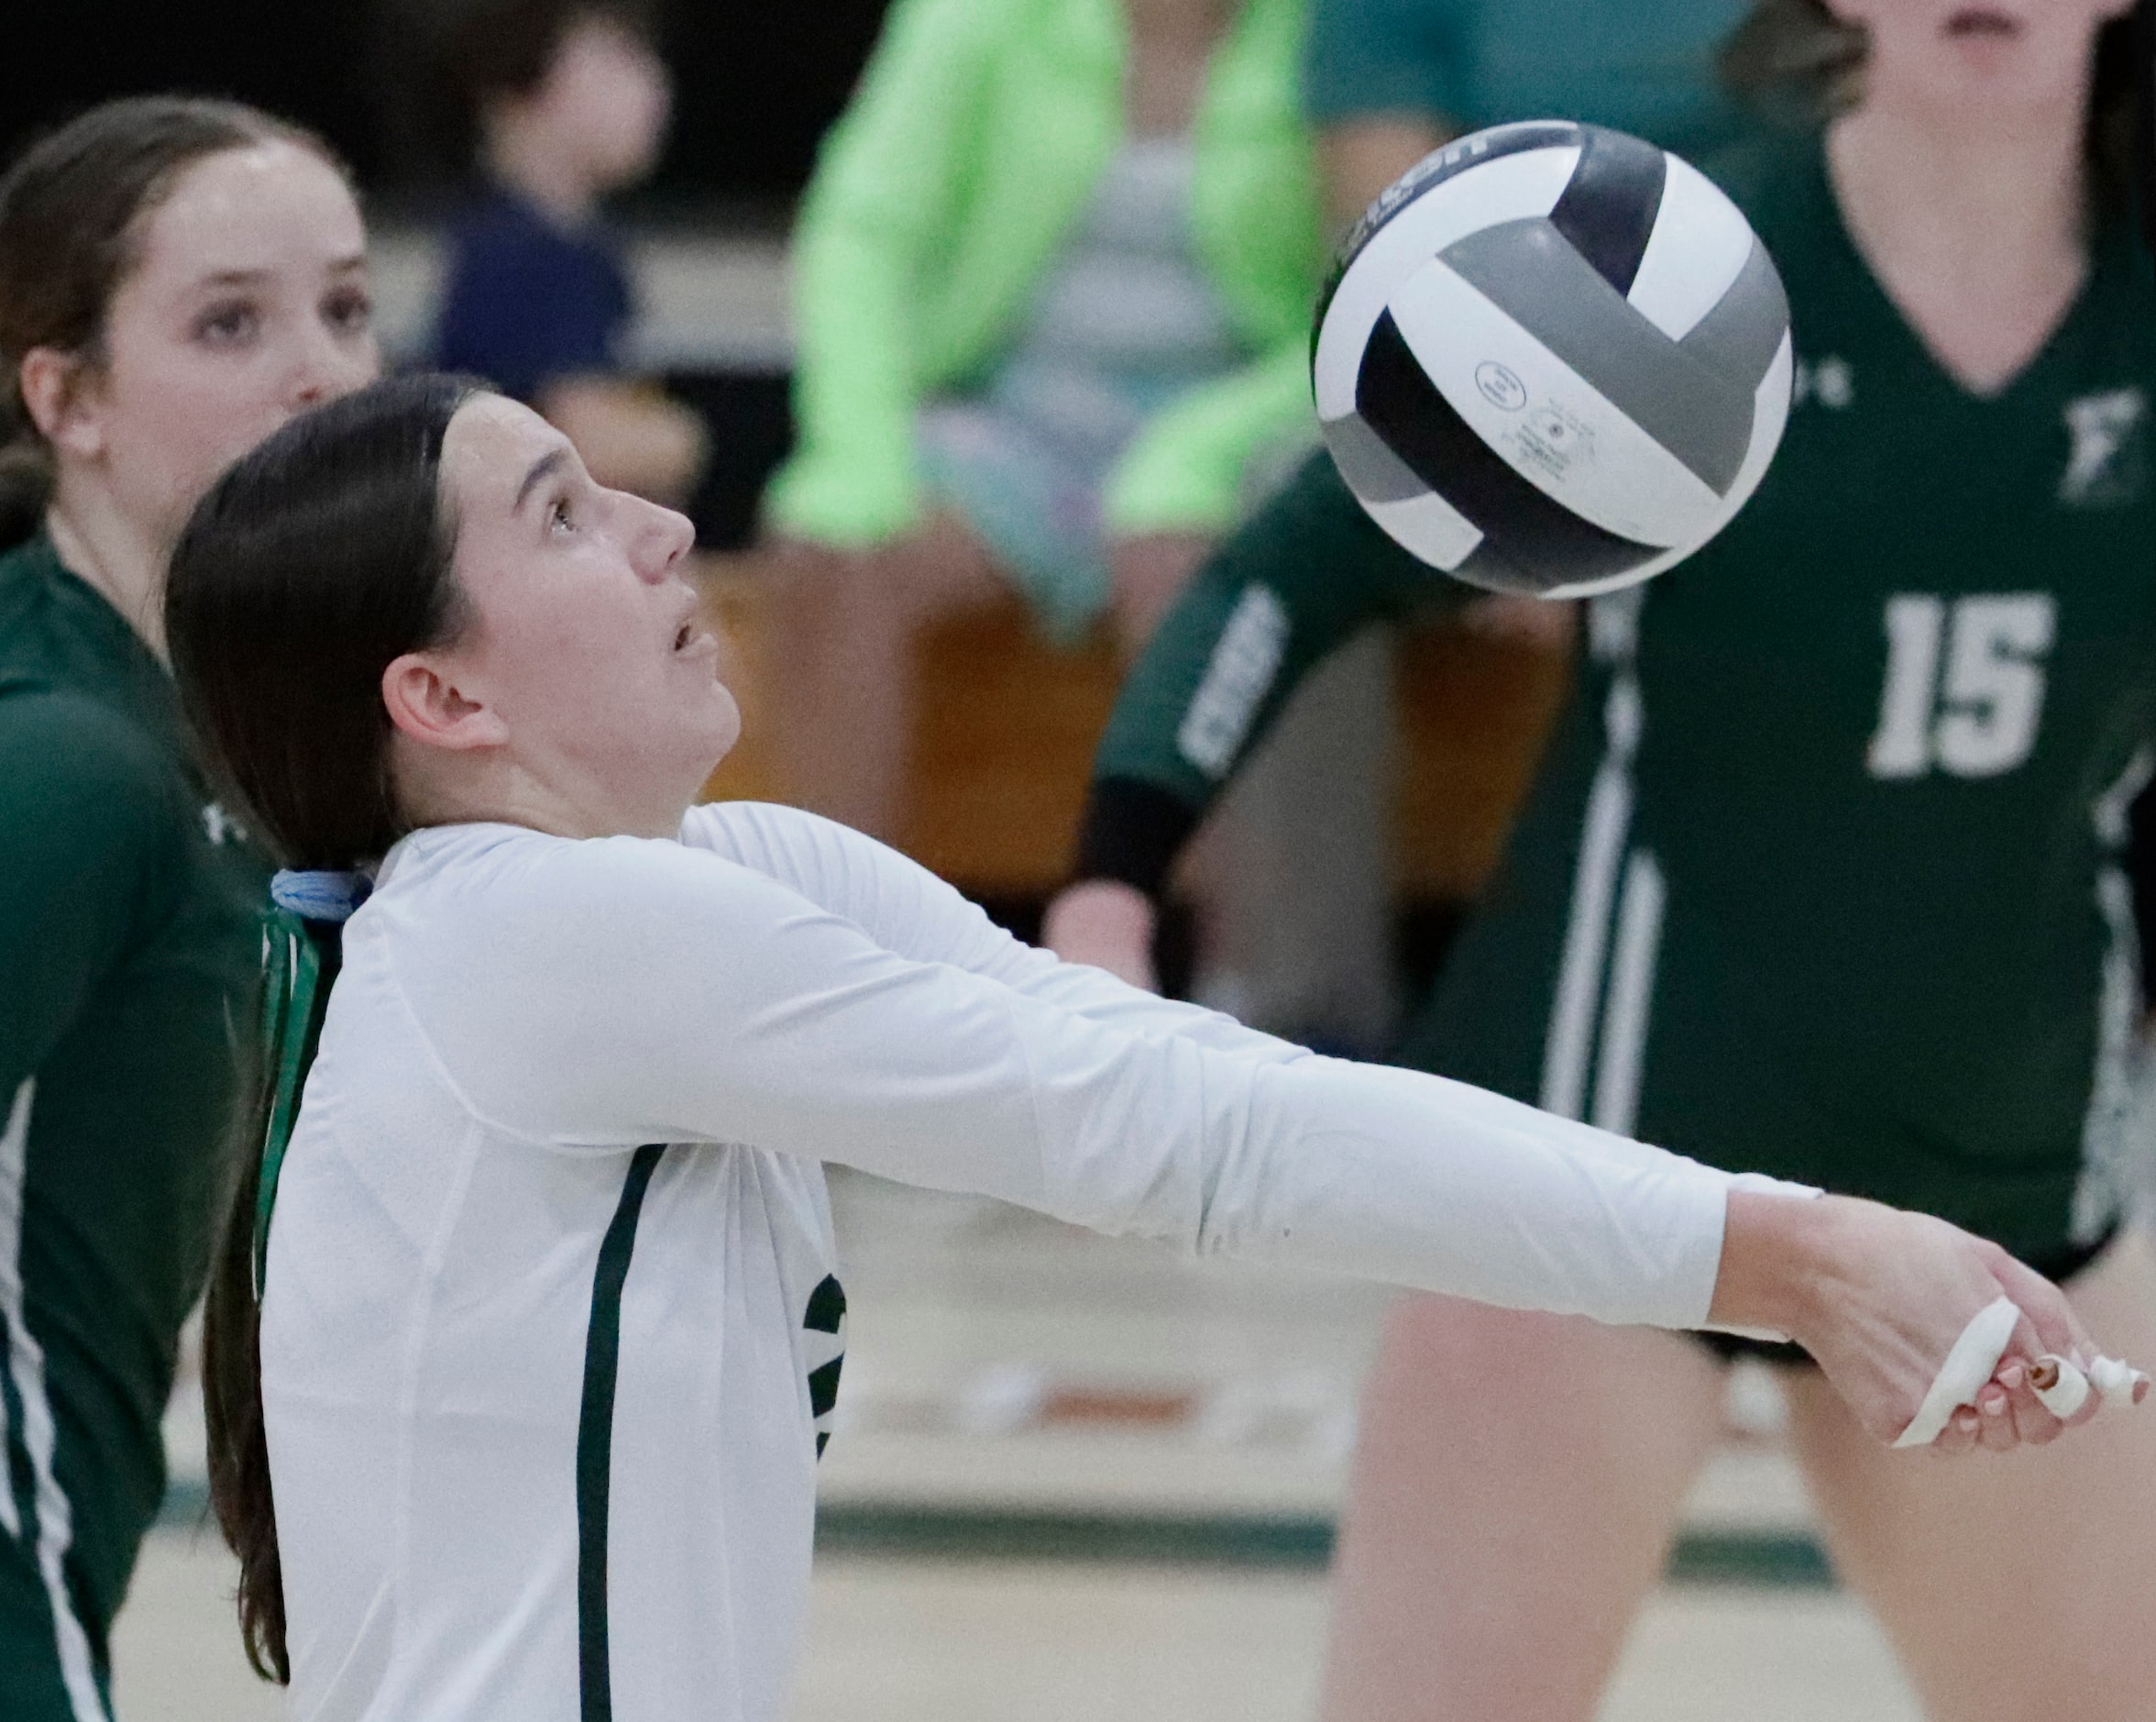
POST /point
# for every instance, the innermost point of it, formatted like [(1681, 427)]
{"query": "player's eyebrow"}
[(549, 462), (354, 262)]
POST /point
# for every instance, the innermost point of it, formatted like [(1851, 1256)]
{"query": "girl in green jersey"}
[(177, 279), (1833, 833)]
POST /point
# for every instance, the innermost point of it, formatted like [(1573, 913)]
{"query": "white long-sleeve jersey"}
[(551, 1313)]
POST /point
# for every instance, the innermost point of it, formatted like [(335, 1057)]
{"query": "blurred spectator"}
[(568, 101), (1053, 285)]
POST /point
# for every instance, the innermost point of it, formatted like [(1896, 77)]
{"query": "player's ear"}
[(54, 394), (424, 703)]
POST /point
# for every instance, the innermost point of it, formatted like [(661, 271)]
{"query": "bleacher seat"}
[(1007, 725)]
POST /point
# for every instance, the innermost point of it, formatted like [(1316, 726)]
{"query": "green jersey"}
[(129, 948), (1823, 874)]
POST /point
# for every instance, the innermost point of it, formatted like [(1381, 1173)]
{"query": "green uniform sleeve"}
[(1299, 578), (880, 202), (89, 861)]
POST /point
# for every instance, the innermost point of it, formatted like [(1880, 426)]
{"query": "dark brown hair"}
[(1794, 60), (71, 210), (308, 568)]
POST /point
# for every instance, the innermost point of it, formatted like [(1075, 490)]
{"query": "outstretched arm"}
[(672, 996), (599, 994)]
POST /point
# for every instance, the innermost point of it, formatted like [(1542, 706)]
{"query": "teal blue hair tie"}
[(320, 895), (297, 969)]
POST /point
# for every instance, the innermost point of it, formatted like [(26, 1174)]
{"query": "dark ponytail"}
[(313, 563), (72, 209)]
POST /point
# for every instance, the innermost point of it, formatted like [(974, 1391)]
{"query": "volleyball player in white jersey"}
[(548, 1309)]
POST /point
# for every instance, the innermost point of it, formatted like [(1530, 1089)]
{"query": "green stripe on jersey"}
[(595, 1436)]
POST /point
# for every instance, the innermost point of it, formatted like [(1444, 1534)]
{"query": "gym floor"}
[(1078, 1478), (906, 1640)]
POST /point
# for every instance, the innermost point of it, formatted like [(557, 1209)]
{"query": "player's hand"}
[(2007, 1411), (1879, 1296), (1106, 924)]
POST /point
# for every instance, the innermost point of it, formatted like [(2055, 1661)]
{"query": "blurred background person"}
[(177, 278), (1389, 81), (565, 101), (1052, 286), (1385, 83), (1799, 874)]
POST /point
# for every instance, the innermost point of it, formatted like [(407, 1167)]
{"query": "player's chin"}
[(714, 722)]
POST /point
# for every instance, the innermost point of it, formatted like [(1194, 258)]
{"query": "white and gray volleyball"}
[(1553, 359)]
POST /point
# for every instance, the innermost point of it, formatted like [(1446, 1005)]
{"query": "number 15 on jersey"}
[(1976, 716)]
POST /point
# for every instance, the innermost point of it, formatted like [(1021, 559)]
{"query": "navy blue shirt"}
[(528, 302)]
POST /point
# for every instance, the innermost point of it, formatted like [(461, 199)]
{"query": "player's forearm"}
[(1359, 1169), (1131, 831), (1302, 577), (1395, 1176)]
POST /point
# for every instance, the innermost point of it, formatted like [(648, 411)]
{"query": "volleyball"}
[(1553, 359)]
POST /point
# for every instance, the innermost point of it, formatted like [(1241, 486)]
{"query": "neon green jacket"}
[(973, 142)]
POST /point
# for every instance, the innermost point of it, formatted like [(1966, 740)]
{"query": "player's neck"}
[(496, 786), (112, 554), (524, 158), (1976, 232)]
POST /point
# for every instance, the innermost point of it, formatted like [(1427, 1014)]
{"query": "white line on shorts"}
[(25, 1361)]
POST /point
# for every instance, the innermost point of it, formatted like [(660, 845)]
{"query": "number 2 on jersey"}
[(1979, 717)]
